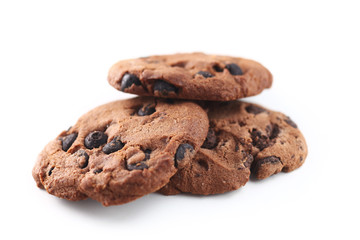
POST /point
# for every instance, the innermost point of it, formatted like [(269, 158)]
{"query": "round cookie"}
[(242, 137), (191, 76), (122, 150)]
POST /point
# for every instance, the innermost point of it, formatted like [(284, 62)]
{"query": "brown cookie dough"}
[(191, 76), (242, 137), (122, 150)]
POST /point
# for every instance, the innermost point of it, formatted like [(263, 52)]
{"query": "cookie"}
[(191, 76), (243, 138), (122, 150)]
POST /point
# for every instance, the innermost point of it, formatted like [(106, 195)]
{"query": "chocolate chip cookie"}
[(243, 138), (191, 76), (122, 150)]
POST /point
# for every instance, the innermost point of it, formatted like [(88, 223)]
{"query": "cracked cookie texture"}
[(196, 76), (242, 139), (122, 150)]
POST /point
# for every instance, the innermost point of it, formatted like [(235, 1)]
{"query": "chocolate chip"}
[(249, 159), (254, 109), (210, 141), (137, 166), (263, 141), (275, 130), (217, 68), (258, 140), (146, 110), (128, 80), (83, 158), (95, 139), (50, 171), (113, 146), (68, 140), (234, 69), (164, 88), (271, 160), (141, 164), (96, 171), (290, 122), (180, 152), (205, 74), (147, 154)]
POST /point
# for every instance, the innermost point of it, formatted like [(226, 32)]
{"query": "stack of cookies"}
[(186, 133)]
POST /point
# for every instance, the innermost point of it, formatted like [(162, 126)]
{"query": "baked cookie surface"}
[(243, 139), (191, 76), (122, 150)]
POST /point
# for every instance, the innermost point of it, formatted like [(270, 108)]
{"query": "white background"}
[(54, 59)]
